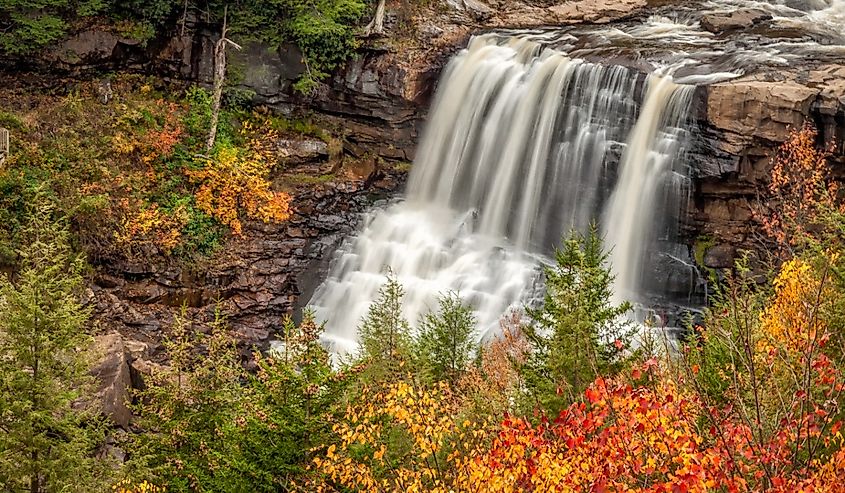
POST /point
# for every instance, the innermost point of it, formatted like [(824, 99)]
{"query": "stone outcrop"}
[(113, 374), (743, 121), (89, 48), (749, 109), (254, 281), (599, 12), (738, 19)]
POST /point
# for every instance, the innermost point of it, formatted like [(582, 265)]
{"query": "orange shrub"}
[(237, 181)]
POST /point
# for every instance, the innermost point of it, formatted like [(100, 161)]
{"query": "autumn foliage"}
[(752, 401), (236, 181), (801, 189)]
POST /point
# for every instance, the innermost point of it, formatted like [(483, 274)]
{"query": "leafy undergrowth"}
[(133, 174)]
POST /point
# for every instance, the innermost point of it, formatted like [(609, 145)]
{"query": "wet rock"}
[(720, 256), (114, 378), (598, 11), (763, 109), (738, 19)]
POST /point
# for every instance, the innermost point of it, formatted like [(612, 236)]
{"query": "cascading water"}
[(523, 145)]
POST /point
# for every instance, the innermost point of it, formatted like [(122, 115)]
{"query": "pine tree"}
[(446, 340), (288, 409), (577, 334), (45, 445), (384, 335), (187, 412)]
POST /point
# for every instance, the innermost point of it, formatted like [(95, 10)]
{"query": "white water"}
[(648, 160), (522, 145)]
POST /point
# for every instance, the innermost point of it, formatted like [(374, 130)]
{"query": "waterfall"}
[(523, 144), (633, 210)]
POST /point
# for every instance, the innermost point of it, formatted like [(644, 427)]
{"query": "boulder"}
[(756, 108), (728, 21), (475, 8), (301, 151), (87, 48), (114, 378), (598, 11)]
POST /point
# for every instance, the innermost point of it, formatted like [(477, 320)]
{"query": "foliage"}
[(801, 191), (495, 382), (127, 486), (129, 175), (779, 383), (47, 442), (577, 334), (237, 181), (323, 30), (188, 410), (212, 427), (28, 26), (446, 340), (402, 437), (624, 438), (288, 407)]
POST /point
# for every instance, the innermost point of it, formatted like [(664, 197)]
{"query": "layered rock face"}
[(742, 123), (254, 282)]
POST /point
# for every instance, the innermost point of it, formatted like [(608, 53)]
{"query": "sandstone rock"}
[(87, 47), (301, 151), (759, 108), (599, 11), (738, 19), (474, 7), (114, 377)]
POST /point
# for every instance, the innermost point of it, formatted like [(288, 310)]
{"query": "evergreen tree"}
[(210, 426), (187, 411), (384, 335), (446, 340), (45, 444), (577, 334), (288, 408)]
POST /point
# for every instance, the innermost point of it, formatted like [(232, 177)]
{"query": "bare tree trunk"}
[(35, 480), (376, 25), (184, 18), (219, 79)]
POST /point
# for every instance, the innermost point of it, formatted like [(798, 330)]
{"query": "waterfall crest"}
[(523, 144)]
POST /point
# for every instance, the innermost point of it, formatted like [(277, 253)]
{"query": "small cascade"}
[(633, 214), (524, 143)]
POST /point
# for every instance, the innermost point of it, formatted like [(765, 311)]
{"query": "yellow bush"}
[(236, 181), (126, 486)]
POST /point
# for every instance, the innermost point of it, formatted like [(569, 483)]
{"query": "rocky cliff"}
[(741, 124)]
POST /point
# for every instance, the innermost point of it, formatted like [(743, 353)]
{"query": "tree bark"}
[(376, 25), (219, 79)]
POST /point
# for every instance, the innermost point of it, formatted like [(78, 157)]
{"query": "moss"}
[(11, 122), (403, 166), (700, 247)]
